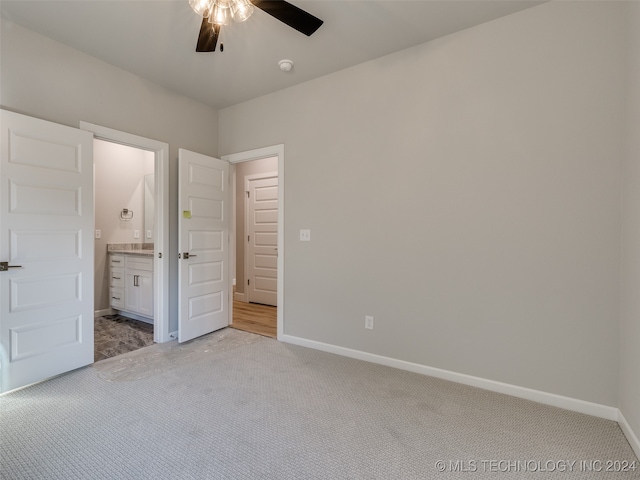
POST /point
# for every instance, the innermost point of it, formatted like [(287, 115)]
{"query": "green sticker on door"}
[(186, 213)]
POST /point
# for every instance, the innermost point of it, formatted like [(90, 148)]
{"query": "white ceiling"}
[(156, 39)]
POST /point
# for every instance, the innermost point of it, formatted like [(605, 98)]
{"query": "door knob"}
[(4, 266)]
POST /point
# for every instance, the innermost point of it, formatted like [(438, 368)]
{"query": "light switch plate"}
[(305, 235), (136, 234), (368, 322), (98, 233)]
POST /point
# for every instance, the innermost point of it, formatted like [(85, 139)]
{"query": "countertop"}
[(146, 253)]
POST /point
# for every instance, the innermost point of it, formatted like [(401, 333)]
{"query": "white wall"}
[(630, 318), (119, 173), (465, 192), (45, 79)]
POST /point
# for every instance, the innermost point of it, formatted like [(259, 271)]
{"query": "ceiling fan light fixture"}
[(241, 10), (201, 7), (219, 15), (215, 13)]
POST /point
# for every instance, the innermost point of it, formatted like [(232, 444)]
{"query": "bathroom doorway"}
[(131, 212), (124, 178)]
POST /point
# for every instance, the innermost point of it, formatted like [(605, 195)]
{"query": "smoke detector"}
[(285, 65)]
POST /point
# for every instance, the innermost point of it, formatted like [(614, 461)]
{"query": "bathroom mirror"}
[(149, 208)]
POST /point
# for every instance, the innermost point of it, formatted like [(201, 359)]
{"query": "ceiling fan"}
[(216, 13)]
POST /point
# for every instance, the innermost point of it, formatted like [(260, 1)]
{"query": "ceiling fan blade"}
[(208, 38), (291, 15)]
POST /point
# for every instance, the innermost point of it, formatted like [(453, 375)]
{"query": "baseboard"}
[(629, 433), (239, 297), (103, 312), (135, 316), (581, 406)]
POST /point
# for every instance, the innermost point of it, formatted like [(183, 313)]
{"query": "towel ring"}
[(126, 214)]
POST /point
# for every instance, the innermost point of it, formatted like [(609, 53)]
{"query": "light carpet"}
[(234, 405)]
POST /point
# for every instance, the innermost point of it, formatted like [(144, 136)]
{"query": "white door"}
[(46, 227), (262, 238), (203, 238)]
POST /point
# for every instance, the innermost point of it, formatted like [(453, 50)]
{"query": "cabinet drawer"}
[(116, 260), (117, 297), (139, 263), (117, 277)]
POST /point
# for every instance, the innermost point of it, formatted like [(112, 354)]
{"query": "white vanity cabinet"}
[(132, 284)]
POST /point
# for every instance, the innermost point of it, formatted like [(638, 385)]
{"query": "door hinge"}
[(247, 192), (248, 282), (248, 237)]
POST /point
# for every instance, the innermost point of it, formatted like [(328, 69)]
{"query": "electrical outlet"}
[(305, 235), (98, 233), (368, 322), (149, 233), (136, 234)]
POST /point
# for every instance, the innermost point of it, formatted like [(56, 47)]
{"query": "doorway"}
[(124, 193), (258, 317), (157, 273)]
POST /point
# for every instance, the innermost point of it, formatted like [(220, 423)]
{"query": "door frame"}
[(249, 178), (160, 150), (247, 156)]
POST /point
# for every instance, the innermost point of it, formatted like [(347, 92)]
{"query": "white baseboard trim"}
[(629, 433), (581, 406), (135, 316), (103, 312), (239, 297)]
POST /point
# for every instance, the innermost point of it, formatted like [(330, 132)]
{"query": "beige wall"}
[(630, 318), (465, 192), (119, 173), (265, 165), (45, 79)]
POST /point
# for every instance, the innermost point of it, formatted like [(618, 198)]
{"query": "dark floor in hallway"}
[(115, 334)]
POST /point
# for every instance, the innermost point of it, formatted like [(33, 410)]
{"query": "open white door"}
[(46, 233), (203, 210)]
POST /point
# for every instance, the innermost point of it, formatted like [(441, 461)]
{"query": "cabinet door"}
[(138, 295), (145, 293), (131, 291)]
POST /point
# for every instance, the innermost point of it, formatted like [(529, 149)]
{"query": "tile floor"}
[(115, 334)]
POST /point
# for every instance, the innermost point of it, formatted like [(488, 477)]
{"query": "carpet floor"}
[(233, 405)]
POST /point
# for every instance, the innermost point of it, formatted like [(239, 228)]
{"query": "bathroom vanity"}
[(131, 283)]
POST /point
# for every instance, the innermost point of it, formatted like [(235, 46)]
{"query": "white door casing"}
[(161, 327), (203, 242), (46, 227), (262, 238)]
